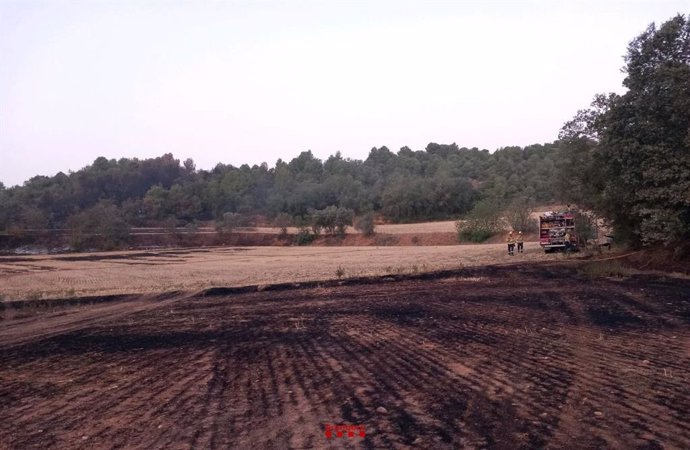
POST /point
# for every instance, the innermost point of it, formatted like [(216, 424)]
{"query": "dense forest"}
[(440, 182), (627, 159)]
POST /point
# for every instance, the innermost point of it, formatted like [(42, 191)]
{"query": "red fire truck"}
[(553, 227)]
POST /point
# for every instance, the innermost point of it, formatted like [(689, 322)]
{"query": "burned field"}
[(531, 356)]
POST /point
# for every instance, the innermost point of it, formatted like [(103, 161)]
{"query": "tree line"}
[(439, 182), (627, 159)]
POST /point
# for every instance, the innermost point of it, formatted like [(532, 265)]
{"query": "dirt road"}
[(487, 357)]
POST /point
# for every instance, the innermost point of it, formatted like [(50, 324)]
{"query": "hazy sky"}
[(252, 81)]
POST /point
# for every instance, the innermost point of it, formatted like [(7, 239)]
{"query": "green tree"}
[(157, 203), (101, 227), (481, 223), (283, 221), (519, 216), (333, 220), (228, 222), (365, 224), (635, 147)]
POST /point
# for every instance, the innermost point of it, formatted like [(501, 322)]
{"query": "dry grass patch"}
[(57, 276)]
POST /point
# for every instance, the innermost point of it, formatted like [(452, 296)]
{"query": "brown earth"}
[(520, 356)]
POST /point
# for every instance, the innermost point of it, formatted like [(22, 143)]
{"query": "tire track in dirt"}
[(509, 360), (433, 369), (140, 389), (349, 401), (364, 362), (60, 323), (208, 410), (442, 376), (163, 403), (594, 373), (551, 382)]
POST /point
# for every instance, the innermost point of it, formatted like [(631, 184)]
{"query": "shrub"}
[(470, 233), (481, 223), (304, 236)]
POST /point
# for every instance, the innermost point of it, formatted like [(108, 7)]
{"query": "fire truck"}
[(553, 226)]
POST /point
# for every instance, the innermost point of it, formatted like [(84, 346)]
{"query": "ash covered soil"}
[(526, 356)]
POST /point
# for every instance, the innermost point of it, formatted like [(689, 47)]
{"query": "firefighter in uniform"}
[(511, 244), (567, 240), (520, 243)]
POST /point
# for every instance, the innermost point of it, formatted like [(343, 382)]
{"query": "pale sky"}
[(253, 81)]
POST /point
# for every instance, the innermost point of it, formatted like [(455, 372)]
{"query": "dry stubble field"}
[(155, 271)]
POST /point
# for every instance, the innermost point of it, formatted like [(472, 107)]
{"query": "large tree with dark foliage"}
[(628, 157)]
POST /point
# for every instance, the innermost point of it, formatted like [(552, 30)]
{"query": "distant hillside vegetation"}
[(440, 182)]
